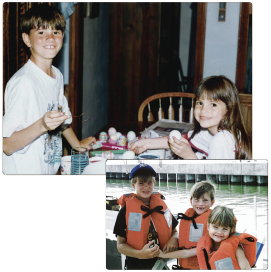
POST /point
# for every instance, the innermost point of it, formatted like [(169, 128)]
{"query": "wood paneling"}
[(168, 48), (200, 42), (242, 46), (75, 86), (134, 48)]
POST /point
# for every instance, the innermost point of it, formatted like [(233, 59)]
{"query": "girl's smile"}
[(218, 233), (209, 113)]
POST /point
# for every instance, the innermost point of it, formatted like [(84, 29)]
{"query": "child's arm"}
[(152, 143), (241, 258), (179, 254), (19, 139), (173, 242), (73, 140), (182, 148), (145, 253)]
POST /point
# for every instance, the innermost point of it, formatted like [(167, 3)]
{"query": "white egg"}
[(118, 134), (111, 131), (128, 155), (131, 136), (175, 133)]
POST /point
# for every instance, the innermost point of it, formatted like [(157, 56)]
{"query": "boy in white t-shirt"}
[(33, 123)]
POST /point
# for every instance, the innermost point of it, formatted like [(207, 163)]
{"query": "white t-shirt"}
[(219, 146), (29, 94)]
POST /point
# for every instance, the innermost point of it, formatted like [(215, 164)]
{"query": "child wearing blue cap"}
[(144, 223)]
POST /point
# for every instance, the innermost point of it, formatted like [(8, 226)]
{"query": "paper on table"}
[(163, 128)]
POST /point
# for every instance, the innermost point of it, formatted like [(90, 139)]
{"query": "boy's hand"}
[(182, 148), (53, 119), (171, 245), (148, 252), (139, 146), (87, 142), (161, 254)]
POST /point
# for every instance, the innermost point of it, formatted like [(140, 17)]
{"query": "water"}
[(240, 198), (78, 163)]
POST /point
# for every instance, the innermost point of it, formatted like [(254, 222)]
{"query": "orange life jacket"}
[(138, 220), (225, 256), (189, 235)]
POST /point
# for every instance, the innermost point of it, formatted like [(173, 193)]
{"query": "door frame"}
[(200, 43), (245, 11)]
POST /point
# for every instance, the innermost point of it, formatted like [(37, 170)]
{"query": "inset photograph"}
[(165, 214)]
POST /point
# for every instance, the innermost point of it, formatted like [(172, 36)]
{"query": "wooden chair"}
[(245, 99), (157, 96), (246, 103)]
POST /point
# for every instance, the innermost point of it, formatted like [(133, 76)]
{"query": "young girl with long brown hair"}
[(219, 129)]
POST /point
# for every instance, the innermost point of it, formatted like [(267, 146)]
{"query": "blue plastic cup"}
[(79, 160)]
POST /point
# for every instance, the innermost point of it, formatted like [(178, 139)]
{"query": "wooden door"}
[(133, 57)]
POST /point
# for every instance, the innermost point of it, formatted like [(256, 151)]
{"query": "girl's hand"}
[(241, 258), (182, 148), (139, 146), (87, 142), (53, 119), (148, 252)]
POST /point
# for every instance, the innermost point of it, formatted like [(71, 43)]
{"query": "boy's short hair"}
[(43, 16), (143, 174), (222, 216), (202, 187)]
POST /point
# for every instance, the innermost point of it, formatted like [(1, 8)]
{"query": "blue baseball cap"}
[(140, 167)]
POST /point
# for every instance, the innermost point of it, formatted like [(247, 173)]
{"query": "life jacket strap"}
[(150, 211), (206, 259), (192, 218), (250, 239), (177, 267)]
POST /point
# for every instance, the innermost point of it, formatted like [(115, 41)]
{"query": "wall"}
[(221, 41), (187, 37), (95, 71)]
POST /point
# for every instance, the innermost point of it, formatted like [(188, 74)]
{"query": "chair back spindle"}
[(160, 111), (181, 110), (170, 110), (191, 113), (150, 116)]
